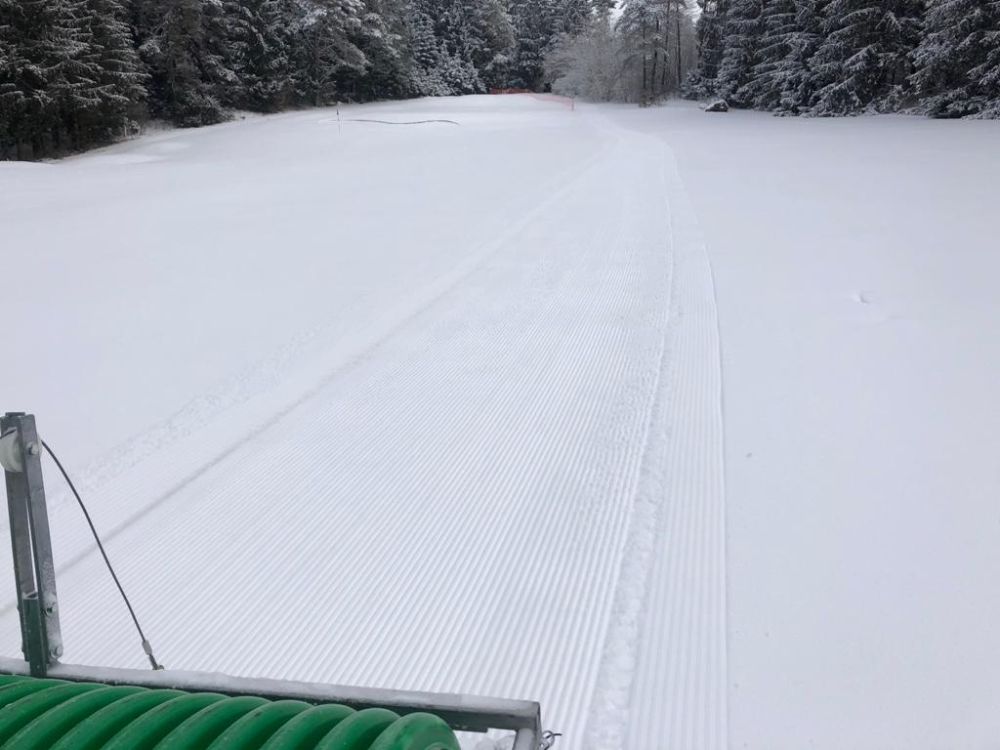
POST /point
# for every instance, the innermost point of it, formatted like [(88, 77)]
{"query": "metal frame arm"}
[(34, 571), (41, 640)]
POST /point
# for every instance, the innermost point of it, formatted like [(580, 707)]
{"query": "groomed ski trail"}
[(517, 490), (663, 680)]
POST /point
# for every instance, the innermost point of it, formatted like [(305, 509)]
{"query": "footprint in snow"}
[(878, 313)]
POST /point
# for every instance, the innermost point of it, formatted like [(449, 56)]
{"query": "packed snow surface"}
[(683, 425)]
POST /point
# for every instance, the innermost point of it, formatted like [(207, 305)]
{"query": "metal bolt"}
[(32, 448)]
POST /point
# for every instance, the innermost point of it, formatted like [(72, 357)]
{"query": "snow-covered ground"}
[(442, 406), (855, 263)]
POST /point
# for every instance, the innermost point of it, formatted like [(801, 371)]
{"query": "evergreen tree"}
[(534, 30), (69, 75), (571, 16), (743, 32), (78, 72), (987, 74), (863, 59), (441, 49), (71, 70), (184, 46), (22, 87), (257, 35), (119, 83), (710, 38), (794, 78), (427, 55), (958, 60), (325, 41), (779, 25), (454, 31), (380, 37), (50, 79), (491, 40)]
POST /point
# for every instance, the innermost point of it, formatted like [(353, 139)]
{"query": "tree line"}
[(843, 57), (795, 57), (77, 73), (641, 53)]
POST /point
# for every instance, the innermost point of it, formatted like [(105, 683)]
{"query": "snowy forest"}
[(77, 73), (795, 57), (841, 57)]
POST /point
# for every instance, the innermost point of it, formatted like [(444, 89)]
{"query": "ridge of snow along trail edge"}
[(664, 680)]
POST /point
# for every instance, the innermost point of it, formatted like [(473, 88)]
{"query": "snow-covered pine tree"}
[(120, 83), (901, 28), (21, 94), (778, 25), (380, 37), (427, 54), (72, 73), (259, 48), (454, 30), (184, 46), (793, 77), (987, 74), (491, 40), (534, 30), (958, 61), (743, 31), (863, 59), (571, 16), (50, 78), (710, 40), (325, 35)]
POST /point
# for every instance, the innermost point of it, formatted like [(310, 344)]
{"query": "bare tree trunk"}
[(318, 87), (643, 94), (656, 55), (677, 29)]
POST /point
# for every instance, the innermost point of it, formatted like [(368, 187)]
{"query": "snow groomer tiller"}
[(47, 705)]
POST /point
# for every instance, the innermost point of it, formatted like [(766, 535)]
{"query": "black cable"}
[(145, 643), (411, 122)]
